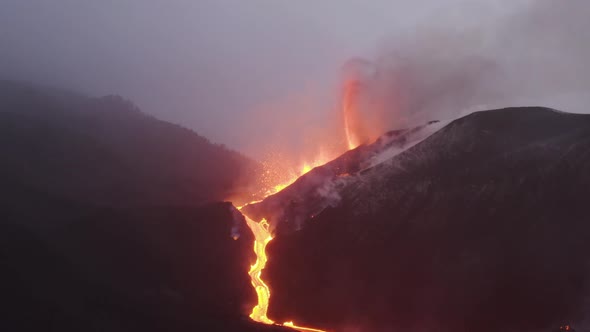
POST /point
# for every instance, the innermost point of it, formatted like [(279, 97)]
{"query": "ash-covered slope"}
[(289, 209), (483, 226)]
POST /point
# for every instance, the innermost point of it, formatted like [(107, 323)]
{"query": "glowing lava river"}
[(262, 236)]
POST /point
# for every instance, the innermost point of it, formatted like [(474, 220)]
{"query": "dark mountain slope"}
[(105, 151), (155, 269), (103, 220), (483, 226)]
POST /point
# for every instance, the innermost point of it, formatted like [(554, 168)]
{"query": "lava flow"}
[(262, 236)]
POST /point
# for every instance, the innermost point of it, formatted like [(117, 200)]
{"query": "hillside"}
[(105, 151), (107, 224), (483, 226)]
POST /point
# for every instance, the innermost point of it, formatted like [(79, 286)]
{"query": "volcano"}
[(111, 220), (479, 226)]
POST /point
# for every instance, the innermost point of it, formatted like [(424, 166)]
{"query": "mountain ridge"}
[(133, 157), (463, 231)]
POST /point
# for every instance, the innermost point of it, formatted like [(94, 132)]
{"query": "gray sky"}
[(257, 75)]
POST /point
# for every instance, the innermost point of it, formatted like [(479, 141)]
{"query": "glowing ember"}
[(262, 237), (305, 168)]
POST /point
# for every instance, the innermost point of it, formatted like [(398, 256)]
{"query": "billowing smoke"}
[(441, 70)]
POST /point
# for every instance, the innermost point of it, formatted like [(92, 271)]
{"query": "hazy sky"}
[(248, 73)]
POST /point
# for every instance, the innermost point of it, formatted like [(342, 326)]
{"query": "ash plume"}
[(447, 68)]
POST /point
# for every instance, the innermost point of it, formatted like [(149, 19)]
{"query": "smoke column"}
[(441, 70)]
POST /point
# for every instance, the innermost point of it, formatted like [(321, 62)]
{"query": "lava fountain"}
[(363, 103), (350, 113)]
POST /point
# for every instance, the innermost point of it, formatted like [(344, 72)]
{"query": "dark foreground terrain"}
[(483, 226)]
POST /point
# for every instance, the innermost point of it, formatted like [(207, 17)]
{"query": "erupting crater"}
[(357, 155), (289, 207)]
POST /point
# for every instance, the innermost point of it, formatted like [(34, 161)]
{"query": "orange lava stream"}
[(301, 328), (262, 236)]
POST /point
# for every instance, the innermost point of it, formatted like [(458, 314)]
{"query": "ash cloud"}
[(446, 68)]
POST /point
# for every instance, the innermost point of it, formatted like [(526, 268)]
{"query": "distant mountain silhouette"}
[(106, 151), (483, 226)]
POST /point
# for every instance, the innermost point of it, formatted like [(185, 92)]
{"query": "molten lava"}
[(350, 112), (364, 103), (262, 236)]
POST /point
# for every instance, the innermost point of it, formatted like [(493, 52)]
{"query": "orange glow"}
[(306, 168), (309, 166), (262, 236), (350, 113), (300, 328), (365, 107), (292, 176)]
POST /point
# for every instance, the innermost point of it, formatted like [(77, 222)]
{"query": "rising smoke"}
[(442, 69)]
